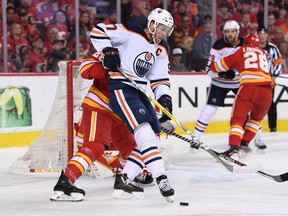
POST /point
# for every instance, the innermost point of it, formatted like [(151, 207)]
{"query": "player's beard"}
[(231, 40)]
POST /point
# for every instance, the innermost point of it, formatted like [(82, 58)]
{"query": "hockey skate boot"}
[(64, 190), (143, 178), (233, 150), (244, 149), (165, 188), (124, 188), (260, 146)]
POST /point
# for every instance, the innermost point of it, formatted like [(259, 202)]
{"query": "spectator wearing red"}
[(184, 38), (35, 60), (271, 25), (246, 26), (180, 12), (246, 6), (20, 45), (85, 49), (278, 36), (30, 8), (83, 7), (282, 17), (59, 22), (190, 5), (223, 15), (51, 38), (11, 67), (231, 5), (49, 10)]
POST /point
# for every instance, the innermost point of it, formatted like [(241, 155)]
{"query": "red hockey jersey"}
[(251, 62)]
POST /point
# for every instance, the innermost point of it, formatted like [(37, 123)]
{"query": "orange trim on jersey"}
[(236, 126), (235, 133), (78, 165), (136, 156), (155, 85), (152, 154), (278, 61), (85, 157), (256, 73), (251, 129), (97, 32), (254, 122), (217, 69), (100, 95), (125, 109), (200, 126), (93, 127), (224, 64)]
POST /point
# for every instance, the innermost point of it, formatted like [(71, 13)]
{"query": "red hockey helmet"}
[(252, 40)]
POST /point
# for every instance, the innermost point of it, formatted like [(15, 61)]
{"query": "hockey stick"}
[(282, 85), (215, 154), (156, 103), (278, 178), (284, 77)]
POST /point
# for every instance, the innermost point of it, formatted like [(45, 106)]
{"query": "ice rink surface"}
[(197, 179)]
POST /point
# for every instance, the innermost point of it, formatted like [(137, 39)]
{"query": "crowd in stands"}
[(41, 33)]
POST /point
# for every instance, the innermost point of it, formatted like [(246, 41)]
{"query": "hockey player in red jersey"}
[(143, 55), (100, 127), (254, 95)]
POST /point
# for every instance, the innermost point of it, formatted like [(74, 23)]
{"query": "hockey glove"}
[(169, 126), (229, 74), (111, 58), (166, 102)]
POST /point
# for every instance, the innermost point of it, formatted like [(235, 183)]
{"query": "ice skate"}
[(165, 188), (232, 151), (124, 188), (244, 149), (64, 190), (144, 179), (260, 146)]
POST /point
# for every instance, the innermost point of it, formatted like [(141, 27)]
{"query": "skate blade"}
[(169, 199), (60, 196), (121, 194)]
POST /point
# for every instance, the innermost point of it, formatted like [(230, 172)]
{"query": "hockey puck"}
[(184, 204)]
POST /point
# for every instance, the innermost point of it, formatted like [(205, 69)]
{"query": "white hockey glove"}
[(169, 125)]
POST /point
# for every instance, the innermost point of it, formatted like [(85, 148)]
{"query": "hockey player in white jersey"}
[(143, 55), (222, 83)]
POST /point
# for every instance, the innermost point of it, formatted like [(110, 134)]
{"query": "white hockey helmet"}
[(162, 16), (231, 24)]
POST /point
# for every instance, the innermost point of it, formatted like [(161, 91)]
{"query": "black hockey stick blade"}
[(278, 178), (218, 156)]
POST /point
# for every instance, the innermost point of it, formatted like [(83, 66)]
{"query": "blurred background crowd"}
[(41, 33)]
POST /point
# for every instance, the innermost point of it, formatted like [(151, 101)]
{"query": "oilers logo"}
[(142, 63)]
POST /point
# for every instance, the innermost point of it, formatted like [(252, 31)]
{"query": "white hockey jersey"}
[(219, 50), (142, 60)]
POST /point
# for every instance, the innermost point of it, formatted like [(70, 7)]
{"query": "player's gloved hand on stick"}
[(229, 74), (170, 126), (111, 58), (166, 102)]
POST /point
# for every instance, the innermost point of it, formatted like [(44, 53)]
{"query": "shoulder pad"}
[(135, 27), (219, 44), (164, 43)]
